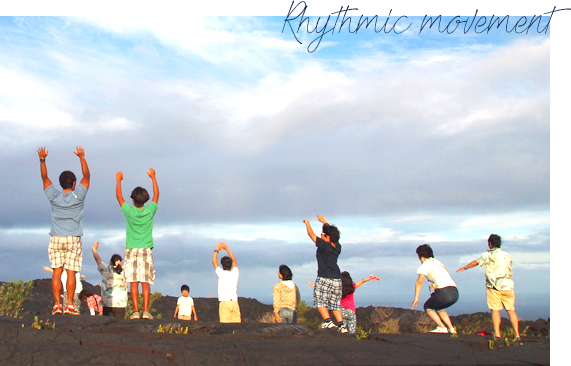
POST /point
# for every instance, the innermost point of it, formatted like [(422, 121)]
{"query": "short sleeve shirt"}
[(185, 305), (113, 287), (227, 284), (436, 273), (327, 256), (139, 225), (498, 269), (67, 210)]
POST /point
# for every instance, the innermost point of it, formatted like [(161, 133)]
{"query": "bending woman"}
[(113, 285), (445, 292)]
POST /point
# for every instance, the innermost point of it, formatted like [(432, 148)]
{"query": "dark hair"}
[(140, 196), (285, 272), (346, 284), (425, 251), (66, 179), (114, 258), (495, 241), (84, 294), (184, 287), (226, 263), (332, 232)]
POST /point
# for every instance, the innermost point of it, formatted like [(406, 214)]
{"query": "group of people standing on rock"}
[(333, 290)]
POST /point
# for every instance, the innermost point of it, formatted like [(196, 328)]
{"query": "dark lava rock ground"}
[(87, 340)]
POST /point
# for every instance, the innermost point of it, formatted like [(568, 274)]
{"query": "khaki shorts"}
[(497, 298), (229, 312), (183, 317), (66, 251)]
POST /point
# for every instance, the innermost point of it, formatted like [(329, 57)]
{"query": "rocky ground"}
[(32, 338)]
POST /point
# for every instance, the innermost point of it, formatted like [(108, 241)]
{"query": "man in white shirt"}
[(229, 310)]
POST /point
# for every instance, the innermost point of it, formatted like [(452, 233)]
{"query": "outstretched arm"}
[(84, 168), (46, 268), (310, 231), (310, 284), (95, 255), (472, 264), (370, 278), (118, 191), (151, 174), (43, 153)]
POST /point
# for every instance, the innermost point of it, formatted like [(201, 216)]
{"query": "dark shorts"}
[(442, 298)]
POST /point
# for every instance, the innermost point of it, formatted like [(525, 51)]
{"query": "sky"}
[(398, 139)]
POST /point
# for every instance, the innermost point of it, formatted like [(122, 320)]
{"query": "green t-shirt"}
[(139, 225)]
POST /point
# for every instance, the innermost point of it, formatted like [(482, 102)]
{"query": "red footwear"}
[(70, 309), (56, 310)]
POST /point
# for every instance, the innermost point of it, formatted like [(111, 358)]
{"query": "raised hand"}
[(119, 176), (151, 173), (321, 219), (79, 151), (95, 246), (42, 152)]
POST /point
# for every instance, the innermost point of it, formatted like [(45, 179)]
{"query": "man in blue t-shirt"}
[(327, 290), (67, 227)]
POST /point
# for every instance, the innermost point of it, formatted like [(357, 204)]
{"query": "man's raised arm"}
[(118, 191), (310, 231), (42, 153), (152, 174), (80, 152)]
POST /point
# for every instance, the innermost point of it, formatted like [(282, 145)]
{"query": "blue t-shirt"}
[(67, 210)]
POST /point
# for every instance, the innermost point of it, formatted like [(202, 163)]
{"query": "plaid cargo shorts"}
[(139, 265), (66, 251), (327, 293)]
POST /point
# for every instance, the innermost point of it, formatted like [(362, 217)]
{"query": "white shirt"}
[(185, 305), (227, 284), (436, 273)]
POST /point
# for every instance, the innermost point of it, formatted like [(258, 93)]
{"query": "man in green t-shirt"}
[(139, 245)]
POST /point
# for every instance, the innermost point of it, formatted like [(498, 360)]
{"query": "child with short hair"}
[(185, 305), (93, 302), (139, 245)]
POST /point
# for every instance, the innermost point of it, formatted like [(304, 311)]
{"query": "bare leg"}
[(323, 312), (338, 315), (56, 284), (496, 321), (445, 318), (70, 286), (135, 296), (515, 322), (434, 316), (146, 295)]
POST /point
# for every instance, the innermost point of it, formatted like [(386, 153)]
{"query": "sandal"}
[(56, 310), (70, 309)]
